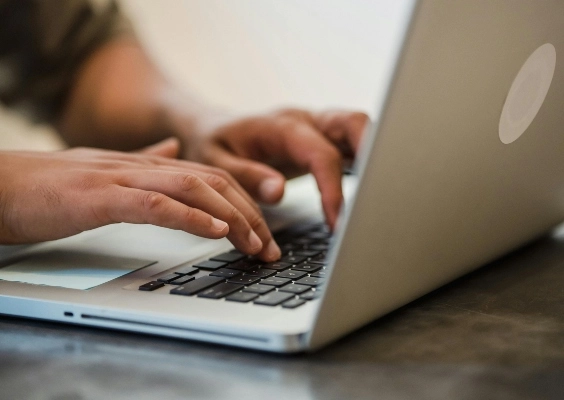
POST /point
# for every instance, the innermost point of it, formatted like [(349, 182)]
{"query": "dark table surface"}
[(497, 333)]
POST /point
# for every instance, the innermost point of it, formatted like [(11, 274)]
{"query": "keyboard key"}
[(320, 274), (294, 288), (291, 274), (286, 248), (150, 286), (182, 280), (228, 257), (277, 266), (274, 281), (242, 297), (244, 265), (260, 272), (310, 281), (320, 259), (226, 273), (219, 291), (197, 285), (308, 267), (310, 295), (319, 235), (293, 303), (274, 298), (244, 280), (168, 278), (259, 288), (304, 228), (293, 259), (306, 253), (186, 271), (303, 240), (210, 265), (318, 246)]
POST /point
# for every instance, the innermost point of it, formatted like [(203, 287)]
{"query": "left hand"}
[(262, 151)]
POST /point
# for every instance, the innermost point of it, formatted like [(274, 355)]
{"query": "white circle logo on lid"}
[(527, 93)]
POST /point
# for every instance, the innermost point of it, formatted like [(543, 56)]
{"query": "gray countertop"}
[(497, 333)]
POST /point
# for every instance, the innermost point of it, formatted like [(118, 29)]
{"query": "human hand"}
[(262, 151), (46, 196)]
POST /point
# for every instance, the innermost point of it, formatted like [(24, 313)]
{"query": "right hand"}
[(47, 196)]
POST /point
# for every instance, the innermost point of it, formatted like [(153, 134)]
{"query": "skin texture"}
[(120, 101), (262, 151), (80, 189)]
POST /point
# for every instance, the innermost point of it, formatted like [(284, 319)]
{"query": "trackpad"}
[(70, 269)]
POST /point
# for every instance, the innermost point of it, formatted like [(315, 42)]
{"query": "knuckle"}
[(217, 182), (235, 216), (188, 182), (104, 212), (189, 214), (152, 200), (255, 220)]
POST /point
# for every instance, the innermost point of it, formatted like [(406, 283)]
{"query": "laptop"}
[(464, 165)]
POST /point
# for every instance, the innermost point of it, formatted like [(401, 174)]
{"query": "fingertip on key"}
[(273, 252)]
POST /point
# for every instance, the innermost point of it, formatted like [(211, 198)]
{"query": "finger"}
[(261, 181), (136, 206), (327, 169), (168, 148), (343, 128), (181, 166), (186, 166), (310, 149), (270, 250), (247, 229), (127, 160)]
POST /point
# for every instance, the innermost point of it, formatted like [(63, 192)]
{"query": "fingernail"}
[(269, 189), (273, 251), (218, 224), (255, 241)]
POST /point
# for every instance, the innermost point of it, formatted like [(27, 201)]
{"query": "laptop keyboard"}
[(289, 282)]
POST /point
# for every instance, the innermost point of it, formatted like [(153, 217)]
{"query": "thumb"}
[(262, 182), (166, 148)]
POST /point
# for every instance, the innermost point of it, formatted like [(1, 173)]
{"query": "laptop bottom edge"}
[(271, 342)]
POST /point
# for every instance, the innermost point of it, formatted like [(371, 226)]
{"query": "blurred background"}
[(256, 55)]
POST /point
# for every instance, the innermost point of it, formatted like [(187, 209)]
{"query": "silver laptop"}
[(465, 164)]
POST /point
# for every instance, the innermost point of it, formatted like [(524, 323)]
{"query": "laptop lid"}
[(465, 163)]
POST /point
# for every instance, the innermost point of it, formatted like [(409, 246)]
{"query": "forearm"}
[(119, 100)]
